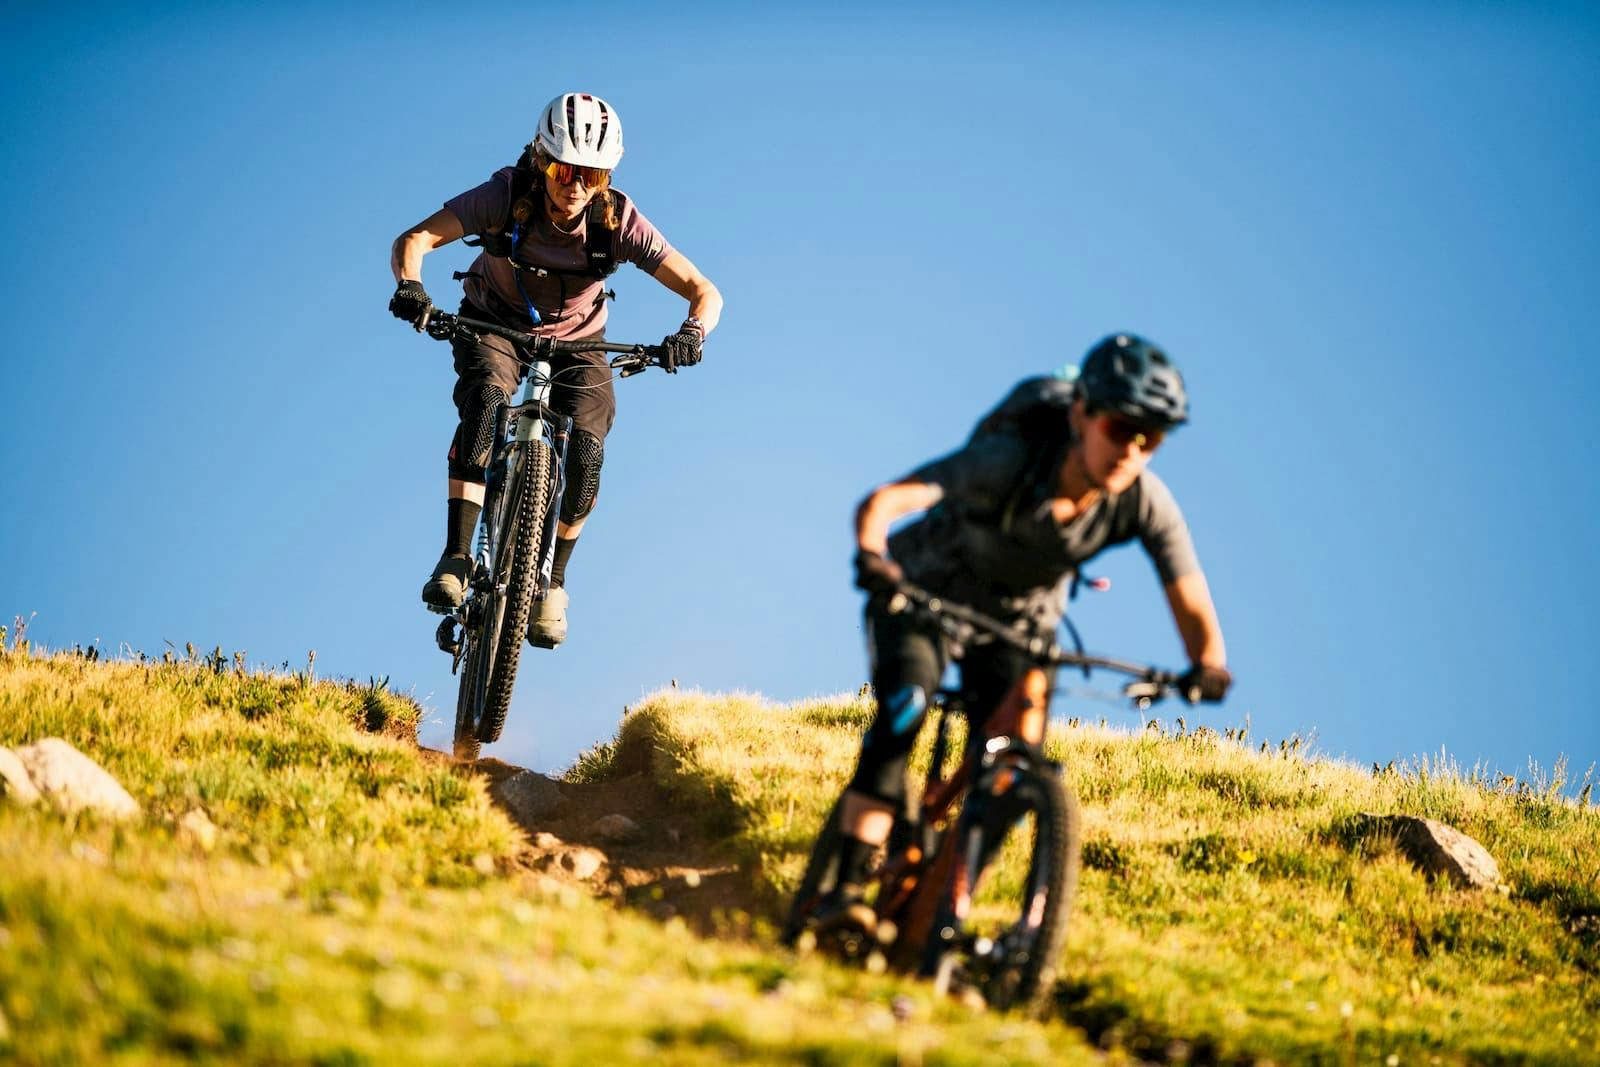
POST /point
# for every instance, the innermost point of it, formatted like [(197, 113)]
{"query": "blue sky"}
[(1369, 235)]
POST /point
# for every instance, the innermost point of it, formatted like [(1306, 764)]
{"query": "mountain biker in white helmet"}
[(551, 229)]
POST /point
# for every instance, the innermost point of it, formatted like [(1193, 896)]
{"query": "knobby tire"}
[(1026, 984), (822, 871), (519, 568), (469, 698)]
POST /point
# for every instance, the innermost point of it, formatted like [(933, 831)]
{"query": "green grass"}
[(363, 904), (1228, 900)]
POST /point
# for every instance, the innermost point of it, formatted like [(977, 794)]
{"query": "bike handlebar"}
[(960, 623), (442, 326)]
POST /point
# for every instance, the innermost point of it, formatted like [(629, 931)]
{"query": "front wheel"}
[(1029, 836), (518, 570)]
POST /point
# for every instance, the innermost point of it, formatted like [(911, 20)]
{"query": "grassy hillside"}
[(364, 903), (1229, 908)]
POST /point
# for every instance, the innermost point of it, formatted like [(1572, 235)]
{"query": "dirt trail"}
[(663, 867)]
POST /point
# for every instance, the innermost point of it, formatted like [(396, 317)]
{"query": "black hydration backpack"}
[(599, 243), (1035, 411)]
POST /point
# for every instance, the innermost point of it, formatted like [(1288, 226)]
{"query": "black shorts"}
[(582, 387), (909, 654)]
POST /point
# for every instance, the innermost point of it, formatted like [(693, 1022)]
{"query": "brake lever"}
[(1144, 693)]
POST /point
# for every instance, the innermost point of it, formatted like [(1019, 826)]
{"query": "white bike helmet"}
[(582, 130)]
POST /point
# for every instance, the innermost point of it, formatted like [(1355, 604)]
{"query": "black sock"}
[(463, 519), (558, 569), (854, 857)]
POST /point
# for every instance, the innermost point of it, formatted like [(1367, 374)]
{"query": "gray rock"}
[(73, 781), (196, 826), (15, 785), (582, 863), (1439, 849), (615, 828), (527, 796)]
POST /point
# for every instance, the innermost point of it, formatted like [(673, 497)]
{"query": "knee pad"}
[(886, 750), (585, 455), (474, 440)]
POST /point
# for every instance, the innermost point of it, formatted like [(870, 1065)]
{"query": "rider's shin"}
[(558, 568), (462, 520)]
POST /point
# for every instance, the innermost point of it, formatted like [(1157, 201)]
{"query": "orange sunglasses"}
[(567, 173)]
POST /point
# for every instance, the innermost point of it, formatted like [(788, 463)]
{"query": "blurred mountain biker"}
[(1009, 520), (551, 230)]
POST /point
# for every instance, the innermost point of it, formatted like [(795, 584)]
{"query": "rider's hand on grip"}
[(411, 303), (877, 573), (1203, 683), (681, 349)]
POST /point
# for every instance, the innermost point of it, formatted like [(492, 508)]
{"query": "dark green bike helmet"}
[(1129, 375)]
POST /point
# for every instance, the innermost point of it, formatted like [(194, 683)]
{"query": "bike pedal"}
[(447, 638)]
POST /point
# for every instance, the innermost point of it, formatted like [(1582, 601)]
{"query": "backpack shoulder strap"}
[(599, 242), (499, 243)]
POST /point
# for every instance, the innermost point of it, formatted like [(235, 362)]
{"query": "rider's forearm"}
[(438, 229), (405, 258), (682, 277), (1196, 618), (887, 503), (705, 304)]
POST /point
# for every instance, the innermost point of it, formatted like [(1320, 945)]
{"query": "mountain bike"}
[(516, 533), (1003, 796)]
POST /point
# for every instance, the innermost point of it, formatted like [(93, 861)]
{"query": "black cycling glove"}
[(681, 349), (411, 303), (1209, 684), (877, 573)]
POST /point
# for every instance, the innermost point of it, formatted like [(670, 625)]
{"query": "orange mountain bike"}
[(1003, 796)]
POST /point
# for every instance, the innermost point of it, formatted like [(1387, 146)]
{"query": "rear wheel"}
[(1030, 835), (518, 570), (821, 874), (469, 695)]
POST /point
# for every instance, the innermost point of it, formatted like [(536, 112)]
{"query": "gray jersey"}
[(993, 543)]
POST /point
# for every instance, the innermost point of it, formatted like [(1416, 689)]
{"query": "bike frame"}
[(534, 420), (929, 871), (928, 874)]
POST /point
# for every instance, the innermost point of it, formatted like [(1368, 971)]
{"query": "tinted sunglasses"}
[(566, 173), (1122, 433)]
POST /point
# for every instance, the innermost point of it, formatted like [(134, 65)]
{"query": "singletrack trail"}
[(664, 867)]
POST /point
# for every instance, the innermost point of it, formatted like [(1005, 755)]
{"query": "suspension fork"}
[(1014, 740), (558, 434), (538, 422)]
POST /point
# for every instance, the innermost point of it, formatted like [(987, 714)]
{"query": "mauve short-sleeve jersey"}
[(965, 550), (570, 304)]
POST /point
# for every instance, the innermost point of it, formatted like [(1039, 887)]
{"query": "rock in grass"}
[(615, 828), (526, 795), (1439, 849), (73, 781), (15, 785), (582, 863), (196, 826)]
